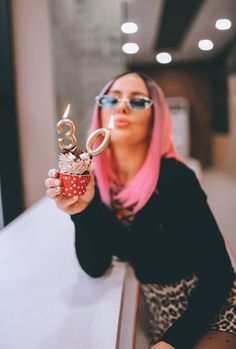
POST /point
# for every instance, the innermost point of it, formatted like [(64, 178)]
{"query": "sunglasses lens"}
[(107, 101), (140, 103), (137, 103)]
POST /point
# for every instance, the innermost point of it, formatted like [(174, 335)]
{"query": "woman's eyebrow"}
[(139, 93), (115, 91), (132, 93)]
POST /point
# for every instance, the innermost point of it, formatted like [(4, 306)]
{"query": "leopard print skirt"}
[(166, 303)]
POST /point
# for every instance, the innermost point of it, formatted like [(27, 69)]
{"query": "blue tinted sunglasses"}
[(137, 103)]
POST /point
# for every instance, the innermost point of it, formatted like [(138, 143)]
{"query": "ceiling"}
[(176, 26)]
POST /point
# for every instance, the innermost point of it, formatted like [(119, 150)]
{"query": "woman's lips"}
[(121, 122)]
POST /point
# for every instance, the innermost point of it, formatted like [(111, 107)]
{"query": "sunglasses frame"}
[(127, 100)]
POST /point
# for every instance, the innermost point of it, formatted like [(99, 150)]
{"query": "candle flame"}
[(111, 123), (66, 112)]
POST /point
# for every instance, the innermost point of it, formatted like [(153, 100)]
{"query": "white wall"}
[(35, 94)]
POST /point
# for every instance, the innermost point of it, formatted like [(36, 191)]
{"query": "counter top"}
[(46, 300)]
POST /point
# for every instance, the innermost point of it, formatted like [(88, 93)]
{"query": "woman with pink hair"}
[(143, 205)]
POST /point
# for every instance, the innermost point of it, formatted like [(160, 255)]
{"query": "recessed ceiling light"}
[(205, 45), (223, 24), (130, 48), (163, 57), (129, 28)]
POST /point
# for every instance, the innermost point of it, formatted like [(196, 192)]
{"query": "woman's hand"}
[(72, 205), (162, 345)]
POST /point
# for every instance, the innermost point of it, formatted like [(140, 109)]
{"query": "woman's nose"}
[(123, 106)]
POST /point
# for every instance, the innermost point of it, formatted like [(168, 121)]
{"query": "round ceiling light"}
[(130, 48), (205, 45), (163, 58), (223, 24), (129, 28)]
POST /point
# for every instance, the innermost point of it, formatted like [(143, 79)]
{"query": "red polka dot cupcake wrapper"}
[(73, 185)]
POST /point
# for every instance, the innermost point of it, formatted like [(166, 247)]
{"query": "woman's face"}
[(131, 126)]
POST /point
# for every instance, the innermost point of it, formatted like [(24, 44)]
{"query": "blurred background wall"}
[(34, 91), (86, 40), (58, 52)]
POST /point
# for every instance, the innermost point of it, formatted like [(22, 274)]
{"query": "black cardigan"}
[(173, 236)]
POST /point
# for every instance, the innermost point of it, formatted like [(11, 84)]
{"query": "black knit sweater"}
[(173, 236)]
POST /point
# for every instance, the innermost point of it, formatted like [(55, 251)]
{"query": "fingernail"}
[(75, 197)]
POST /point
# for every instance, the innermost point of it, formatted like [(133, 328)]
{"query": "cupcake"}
[(74, 172)]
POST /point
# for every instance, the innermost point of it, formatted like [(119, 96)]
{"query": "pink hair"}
[(140, 188)]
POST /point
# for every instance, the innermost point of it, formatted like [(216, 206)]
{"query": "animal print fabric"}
[(166, 303)]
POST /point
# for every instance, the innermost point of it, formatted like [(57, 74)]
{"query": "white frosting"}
[(69, 163)]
